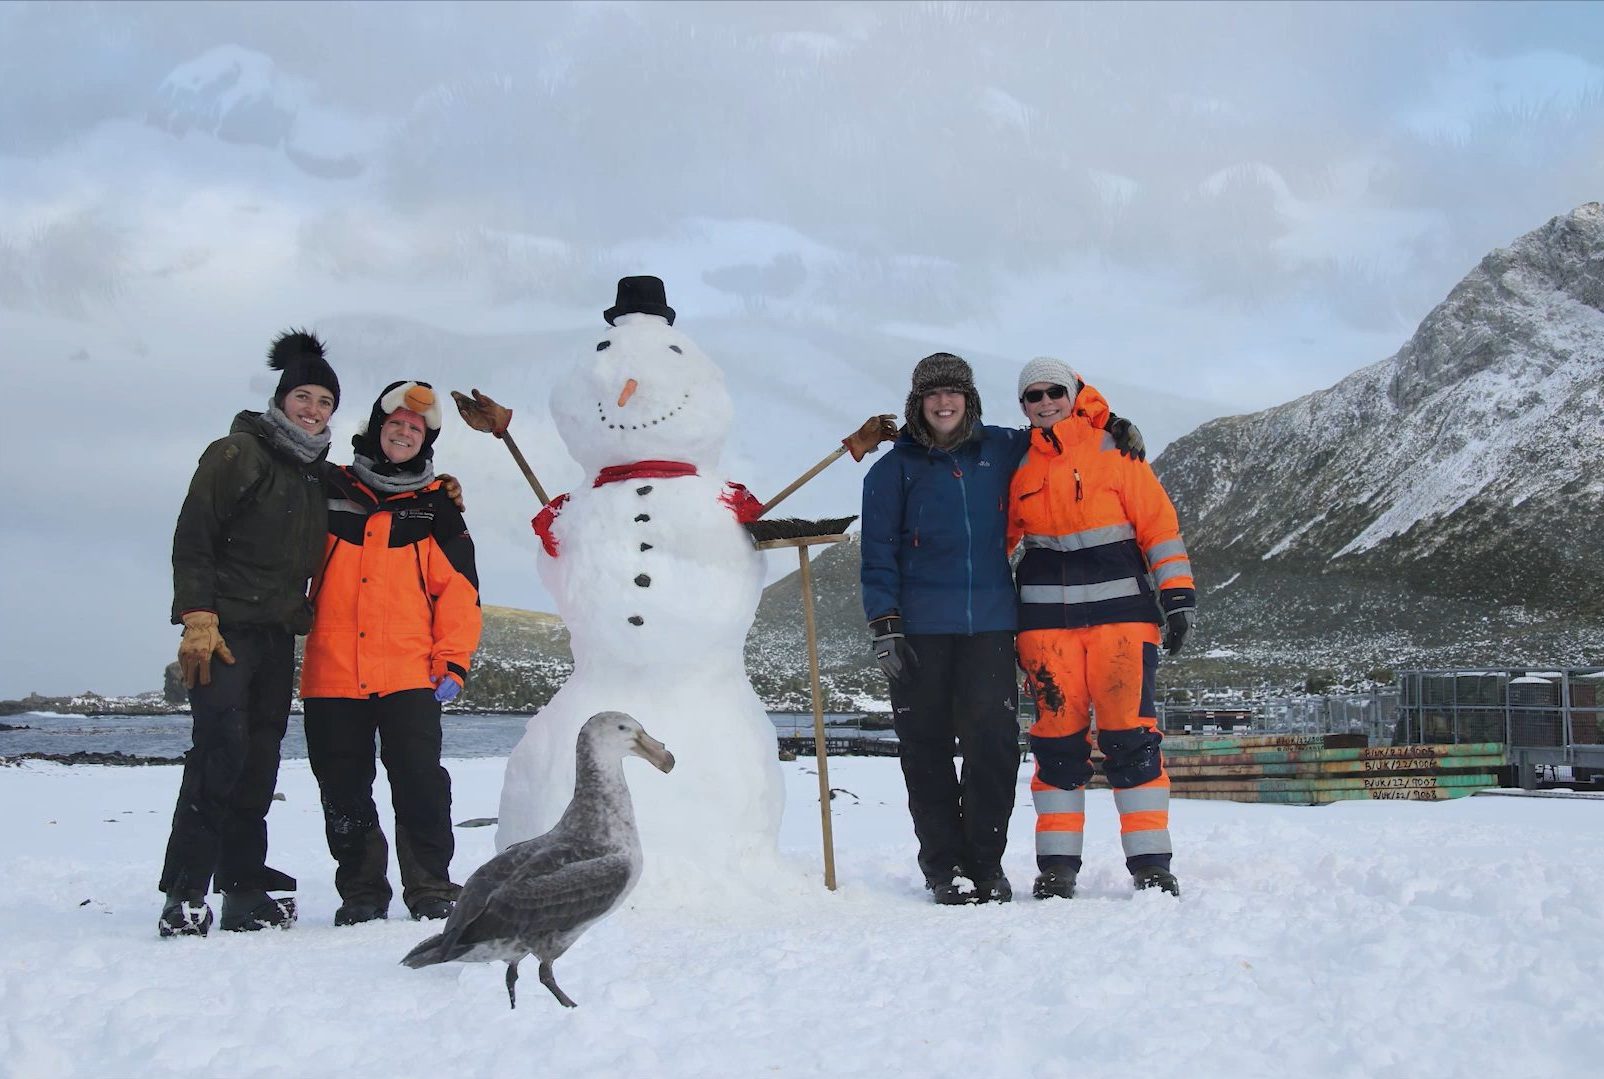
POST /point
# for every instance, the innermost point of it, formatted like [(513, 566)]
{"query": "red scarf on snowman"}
[(736, 497)]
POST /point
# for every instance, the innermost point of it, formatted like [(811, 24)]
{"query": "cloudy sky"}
[(1207, 208)]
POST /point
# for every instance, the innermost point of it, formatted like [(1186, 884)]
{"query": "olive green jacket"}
[(251, 532)]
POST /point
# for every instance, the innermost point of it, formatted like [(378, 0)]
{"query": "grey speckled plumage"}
[(537, 897)]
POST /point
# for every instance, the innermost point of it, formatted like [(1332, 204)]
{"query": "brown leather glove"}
[(452, 489), (201, 639), (866, 439), (482, 413)]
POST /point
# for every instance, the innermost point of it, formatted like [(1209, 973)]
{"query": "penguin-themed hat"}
[(416, 398), (298, 357)]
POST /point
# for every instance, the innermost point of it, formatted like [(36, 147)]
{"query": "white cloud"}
[(1473, 88)]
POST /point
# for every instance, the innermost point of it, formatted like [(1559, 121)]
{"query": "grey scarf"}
[(394, 483), (292, 439)]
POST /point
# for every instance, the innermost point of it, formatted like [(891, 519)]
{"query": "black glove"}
[(1127, 438), (891, 649), (1177, 624)]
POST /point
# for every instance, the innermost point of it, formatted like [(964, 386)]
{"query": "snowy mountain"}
[(1436, 507), (241, 96)]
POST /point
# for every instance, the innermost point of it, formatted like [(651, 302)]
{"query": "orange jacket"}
[(1099, 531), (396, 604)]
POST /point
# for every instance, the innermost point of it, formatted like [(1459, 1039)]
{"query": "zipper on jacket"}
[(1077, 485), (327, 558), (417, 559), (969, 552)]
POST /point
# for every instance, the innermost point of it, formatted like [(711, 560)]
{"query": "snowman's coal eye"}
[(602, 346), (676, 348)]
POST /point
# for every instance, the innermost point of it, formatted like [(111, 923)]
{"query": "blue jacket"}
[(934, 534)]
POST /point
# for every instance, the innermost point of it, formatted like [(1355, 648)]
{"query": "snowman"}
[(658, 581)]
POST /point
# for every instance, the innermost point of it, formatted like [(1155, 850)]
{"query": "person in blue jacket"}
[(939, 598)]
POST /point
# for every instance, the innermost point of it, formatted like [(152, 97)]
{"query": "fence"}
[(1547, 717), (1370, 714)]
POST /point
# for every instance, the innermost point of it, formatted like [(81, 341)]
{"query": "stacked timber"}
[(1315, 769)]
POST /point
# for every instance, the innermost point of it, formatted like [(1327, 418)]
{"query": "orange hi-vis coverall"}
[(1104, 562)]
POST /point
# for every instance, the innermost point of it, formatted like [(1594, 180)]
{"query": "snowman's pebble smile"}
[(601, 413)]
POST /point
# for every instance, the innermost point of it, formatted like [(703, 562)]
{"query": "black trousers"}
[(964, 687), (339, 740), (219, 829)]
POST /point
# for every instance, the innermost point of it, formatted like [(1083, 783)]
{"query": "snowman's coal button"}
[(644, 490), (642, 517), (643, 580), (646, 546), (636, 620)]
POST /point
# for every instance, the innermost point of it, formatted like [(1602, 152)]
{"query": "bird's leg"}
[(512, 980), (550, 982)]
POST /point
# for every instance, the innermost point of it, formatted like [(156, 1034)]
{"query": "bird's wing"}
[(563, 897), (539, 855)]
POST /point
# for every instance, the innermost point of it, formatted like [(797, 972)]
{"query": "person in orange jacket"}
[(1103, 582), (396, 621)]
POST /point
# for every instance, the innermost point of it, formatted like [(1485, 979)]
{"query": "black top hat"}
[(640, 296)]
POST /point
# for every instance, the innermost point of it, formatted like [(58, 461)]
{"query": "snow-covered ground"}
[(1460, 938)]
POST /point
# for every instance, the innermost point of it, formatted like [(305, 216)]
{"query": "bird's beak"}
[(654, 751)]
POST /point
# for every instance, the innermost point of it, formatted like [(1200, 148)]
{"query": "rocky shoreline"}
[(93, 704), (115, 758)]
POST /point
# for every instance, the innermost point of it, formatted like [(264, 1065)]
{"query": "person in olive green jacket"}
[(249, 537)]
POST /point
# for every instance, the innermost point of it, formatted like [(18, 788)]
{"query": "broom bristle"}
[(797, 528)]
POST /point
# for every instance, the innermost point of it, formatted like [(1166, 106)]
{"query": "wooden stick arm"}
[(800, 480), (523, 466), (860, 443)]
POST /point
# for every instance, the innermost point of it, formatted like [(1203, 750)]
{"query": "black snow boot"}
[(1055, 883), (185, 914), (251, 909), (433, 909), (945, 891), (991, 886), (355, 912), (1155, 876)]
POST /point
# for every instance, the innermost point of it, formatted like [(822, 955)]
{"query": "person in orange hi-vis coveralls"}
[(1100, 538)]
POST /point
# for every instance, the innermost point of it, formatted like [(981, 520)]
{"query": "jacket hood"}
[(249, 423), (1089, 414)]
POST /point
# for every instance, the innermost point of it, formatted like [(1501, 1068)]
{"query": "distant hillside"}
[(523, 658), (1440, 507), (776, 648)]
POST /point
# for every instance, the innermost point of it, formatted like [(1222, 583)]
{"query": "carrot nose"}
[(628, 392)]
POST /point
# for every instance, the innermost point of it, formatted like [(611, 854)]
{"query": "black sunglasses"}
[(1057, 393)]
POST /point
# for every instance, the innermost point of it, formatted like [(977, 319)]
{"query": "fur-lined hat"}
[(935, 371), (298, 355), (418, 398)]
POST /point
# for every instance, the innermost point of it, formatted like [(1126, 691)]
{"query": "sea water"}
[(463, 734)]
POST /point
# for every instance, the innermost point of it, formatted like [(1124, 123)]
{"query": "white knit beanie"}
[(1047, 369)]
